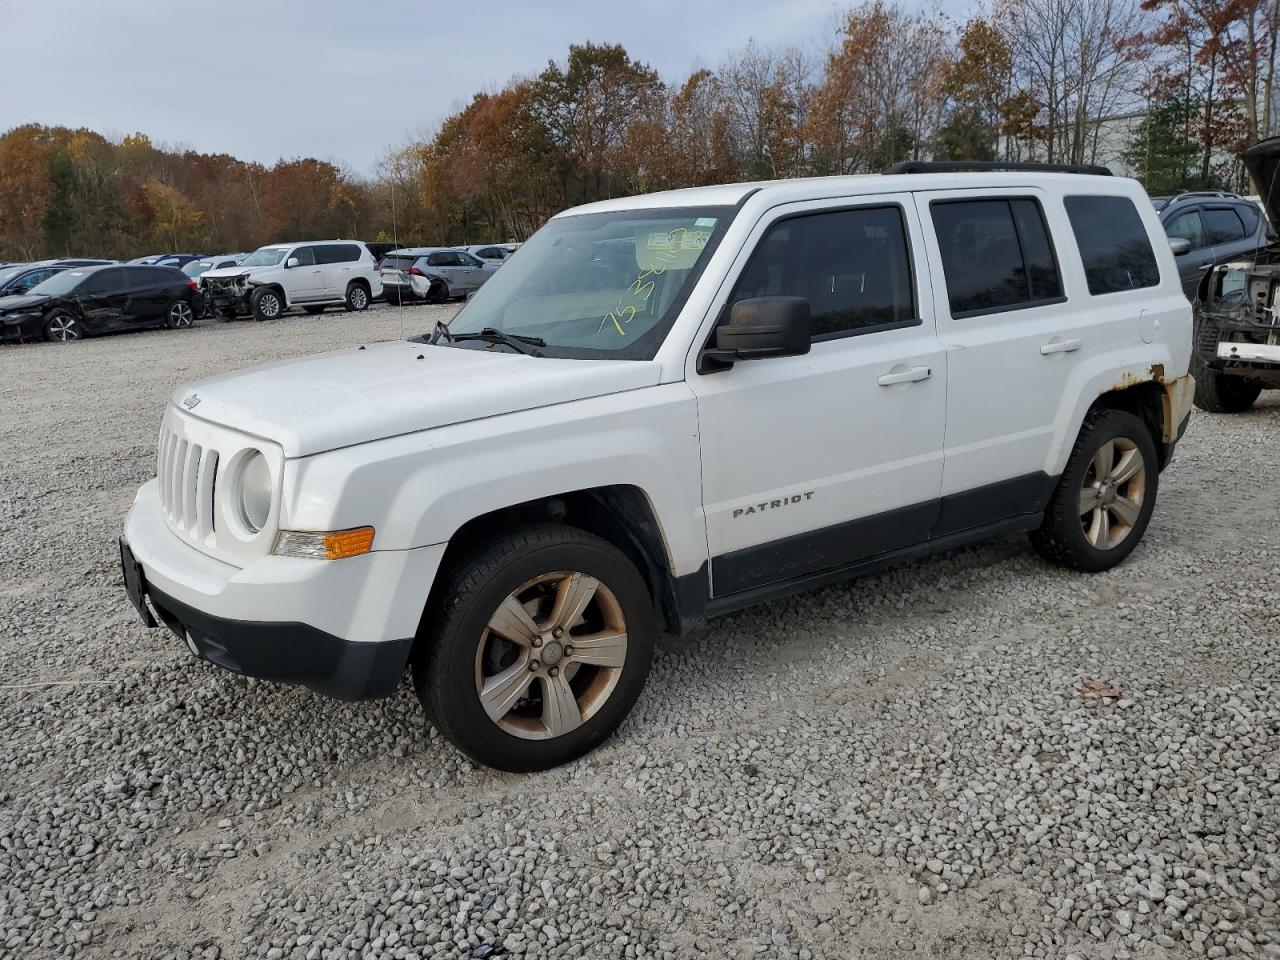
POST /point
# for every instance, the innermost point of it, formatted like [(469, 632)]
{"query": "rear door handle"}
[(914, 375), (1070, 345)]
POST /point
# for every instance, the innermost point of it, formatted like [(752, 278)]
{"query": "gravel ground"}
[(971, 756)]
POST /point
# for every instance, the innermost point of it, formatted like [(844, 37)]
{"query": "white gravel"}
[(972, 756)]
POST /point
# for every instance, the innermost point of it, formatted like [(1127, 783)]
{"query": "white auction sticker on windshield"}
[(705, 222)]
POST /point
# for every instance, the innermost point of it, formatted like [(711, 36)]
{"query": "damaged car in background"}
[(313, 275), (1237, 326)]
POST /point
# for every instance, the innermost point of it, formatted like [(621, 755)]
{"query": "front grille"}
[(187, 473)]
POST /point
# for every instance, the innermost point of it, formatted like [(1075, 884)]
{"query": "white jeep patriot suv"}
[(662, 409), (313, 275)]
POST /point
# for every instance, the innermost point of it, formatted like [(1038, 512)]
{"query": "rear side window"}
[(445, 258), (1249, 214), (996, 255), (1222, 225), (1113, 244), (337, 253), (853, 266)]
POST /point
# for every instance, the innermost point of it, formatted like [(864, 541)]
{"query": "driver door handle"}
[(914, 375), (1070, 345)]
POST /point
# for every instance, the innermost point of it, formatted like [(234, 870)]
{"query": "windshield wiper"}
[(516, 342)]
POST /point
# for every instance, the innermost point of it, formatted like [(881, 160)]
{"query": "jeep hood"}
[(351, 396), (1262, 160)]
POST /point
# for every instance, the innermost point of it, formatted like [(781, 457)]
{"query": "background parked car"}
[(491, 253), (379, 249), (24, 276), (81, 261), (197, 268), (431, 273), (81, 301), (312, 275), (1218, 226)]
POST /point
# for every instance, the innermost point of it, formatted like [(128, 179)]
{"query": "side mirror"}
[(1179, 246), (291, 262), (760, 328)]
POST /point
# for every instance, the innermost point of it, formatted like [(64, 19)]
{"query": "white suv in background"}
[(665, 409), (311, 275)]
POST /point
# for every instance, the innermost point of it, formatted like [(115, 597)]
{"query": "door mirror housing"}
[(1179, 245), (760, 328), (291, 262)]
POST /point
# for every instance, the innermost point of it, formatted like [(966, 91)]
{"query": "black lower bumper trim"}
[(289, 652)]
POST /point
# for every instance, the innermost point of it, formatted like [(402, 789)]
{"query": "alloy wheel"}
[(359, 299), (270, 306), (551, 655), (181, 315), (1112, 493), (64, 328)]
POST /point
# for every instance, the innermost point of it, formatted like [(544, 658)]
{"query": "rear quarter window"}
[(1113, 243)]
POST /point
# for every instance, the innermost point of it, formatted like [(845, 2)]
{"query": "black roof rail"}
[(973, 166)]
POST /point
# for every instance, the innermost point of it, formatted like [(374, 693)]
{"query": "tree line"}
[(1024, 80)]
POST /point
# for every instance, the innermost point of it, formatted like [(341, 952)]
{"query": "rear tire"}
[(513, 608), (357, 297), (179, 315), (1221, 393), (438, 292), (1104, 498), (266, 304)]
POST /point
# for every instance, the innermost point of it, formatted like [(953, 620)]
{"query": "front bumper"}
[(21, 327), (343, 628)]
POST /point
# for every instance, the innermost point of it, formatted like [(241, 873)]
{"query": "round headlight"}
[(255, 491)]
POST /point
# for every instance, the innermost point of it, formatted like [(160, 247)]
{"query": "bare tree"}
[(1069, 56)]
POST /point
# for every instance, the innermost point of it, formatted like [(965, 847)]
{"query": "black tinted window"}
[(853, 266), (1187, 226), (105, 281), (337, 253), (141, 276), (996, 255), (1249, 215), (1222, 225), (444, 259), (1113, 244)]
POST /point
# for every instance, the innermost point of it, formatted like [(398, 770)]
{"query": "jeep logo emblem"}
[(192, 401)]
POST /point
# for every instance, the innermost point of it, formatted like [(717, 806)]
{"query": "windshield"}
[(197, 267), (60, 283), (266, 257), (7, 275), (599, 285)]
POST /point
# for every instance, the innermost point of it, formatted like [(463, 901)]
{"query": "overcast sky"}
[(265, 79)]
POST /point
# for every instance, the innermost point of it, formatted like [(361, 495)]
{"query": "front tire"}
[(1220, 393), (179, 315), (63, 327), (357, 297), (1103, 501), (538, 648), (266, 304)]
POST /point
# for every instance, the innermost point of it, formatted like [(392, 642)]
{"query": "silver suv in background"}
[(431, 273)]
